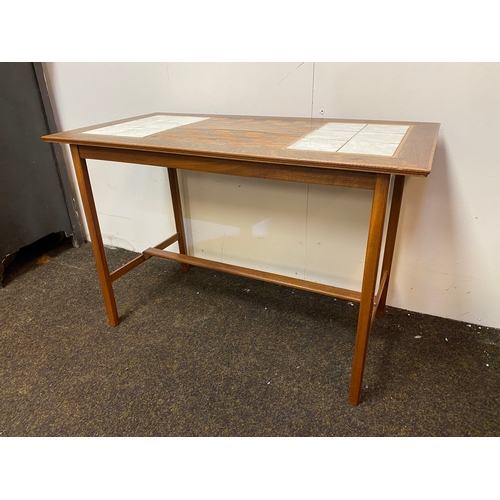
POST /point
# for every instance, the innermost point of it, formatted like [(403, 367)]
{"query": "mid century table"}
[(361, 154)]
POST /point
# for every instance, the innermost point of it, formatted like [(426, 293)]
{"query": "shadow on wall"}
[(426, 249), (311, 232)]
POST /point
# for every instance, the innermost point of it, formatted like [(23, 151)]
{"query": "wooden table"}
[(360, 154)]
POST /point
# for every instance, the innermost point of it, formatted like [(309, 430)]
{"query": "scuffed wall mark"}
[(117, 216), (113, 242), (286, 76)]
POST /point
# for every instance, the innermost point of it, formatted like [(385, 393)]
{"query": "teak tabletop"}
[(363, 154)]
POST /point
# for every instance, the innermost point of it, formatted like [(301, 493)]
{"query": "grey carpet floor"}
[(208, 354)]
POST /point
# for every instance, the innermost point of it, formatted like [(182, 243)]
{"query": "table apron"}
[(258, 169)]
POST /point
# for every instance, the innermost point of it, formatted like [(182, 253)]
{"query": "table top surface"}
[(405, 148)]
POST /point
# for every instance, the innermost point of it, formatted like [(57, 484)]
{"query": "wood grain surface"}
[(265, 140)]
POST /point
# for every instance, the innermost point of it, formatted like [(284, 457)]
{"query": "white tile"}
[(339, 135), (379, 137), (145, 126), (369, 148), (389, 129), (329, 137), (317, 144)]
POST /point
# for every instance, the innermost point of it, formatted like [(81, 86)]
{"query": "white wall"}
[(447, 256)]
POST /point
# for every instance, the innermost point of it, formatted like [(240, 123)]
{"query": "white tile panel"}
[(145, 126), (354, 138)]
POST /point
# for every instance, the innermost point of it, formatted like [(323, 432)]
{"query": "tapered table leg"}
[(390, 241), (83, 178), (373, 248), (177, 207)]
